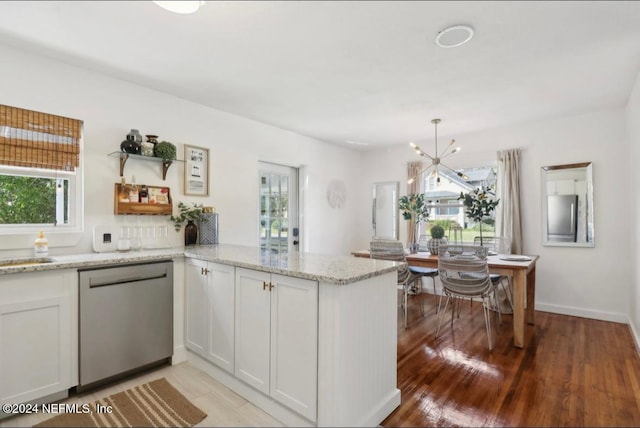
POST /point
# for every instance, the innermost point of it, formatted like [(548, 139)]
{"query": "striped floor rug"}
[(153, 404)]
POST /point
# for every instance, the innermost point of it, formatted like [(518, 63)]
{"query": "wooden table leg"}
[(531, 295), (519, 287)]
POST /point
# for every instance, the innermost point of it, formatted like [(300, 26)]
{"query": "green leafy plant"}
[(25, 200), (165, 150), (186, 213), (415, 208), (478, 204), (437, 232)]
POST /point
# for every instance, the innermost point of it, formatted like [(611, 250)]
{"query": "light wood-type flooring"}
[(573, 372), (222, 406)]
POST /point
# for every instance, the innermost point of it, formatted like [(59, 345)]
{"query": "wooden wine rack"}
[(136, 208)]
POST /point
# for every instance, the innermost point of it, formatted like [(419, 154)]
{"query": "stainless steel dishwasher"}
[(126, 320)]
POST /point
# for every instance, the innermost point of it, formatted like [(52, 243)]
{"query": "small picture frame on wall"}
[(196, 171)]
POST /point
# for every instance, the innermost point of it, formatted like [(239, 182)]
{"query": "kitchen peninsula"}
[(311, 339)]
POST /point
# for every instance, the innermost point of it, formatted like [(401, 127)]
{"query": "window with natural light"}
[(40, 187), (447, 210)]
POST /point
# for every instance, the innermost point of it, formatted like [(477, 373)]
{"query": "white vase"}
[(434, 244)]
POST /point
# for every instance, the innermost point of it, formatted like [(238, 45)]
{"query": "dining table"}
[(520, 268)]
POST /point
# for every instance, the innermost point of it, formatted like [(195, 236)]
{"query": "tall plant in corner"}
[(478, 205), (415, 208)]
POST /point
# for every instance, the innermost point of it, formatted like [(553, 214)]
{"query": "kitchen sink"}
[(25, 262)]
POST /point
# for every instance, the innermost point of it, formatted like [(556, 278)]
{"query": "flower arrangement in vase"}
[(188, 214), (415, 208)]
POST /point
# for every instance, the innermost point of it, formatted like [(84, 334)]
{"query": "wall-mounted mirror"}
[(385, 210), (567, 205)]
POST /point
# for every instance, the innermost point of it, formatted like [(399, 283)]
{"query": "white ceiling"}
[(359, 71)]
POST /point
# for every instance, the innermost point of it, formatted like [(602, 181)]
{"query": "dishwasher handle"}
[(93, 283)]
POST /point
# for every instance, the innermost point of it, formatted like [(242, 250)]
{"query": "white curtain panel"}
[(413, 169), (509, 220)]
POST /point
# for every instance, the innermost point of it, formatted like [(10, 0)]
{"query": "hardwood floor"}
[(573, 372)]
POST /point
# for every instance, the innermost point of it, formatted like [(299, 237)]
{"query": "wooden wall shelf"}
[(123, 208), (124, 157)]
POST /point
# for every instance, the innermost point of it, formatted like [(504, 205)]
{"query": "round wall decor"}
[(336, 193)]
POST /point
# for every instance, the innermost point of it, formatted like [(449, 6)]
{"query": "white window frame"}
[(75, 201), (429, 183)]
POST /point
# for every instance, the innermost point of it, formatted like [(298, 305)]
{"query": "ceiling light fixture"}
[(356, 143), (183, 7), (452, 37), (436, 161)]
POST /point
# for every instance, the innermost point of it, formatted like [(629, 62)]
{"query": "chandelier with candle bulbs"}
[(436, 161)]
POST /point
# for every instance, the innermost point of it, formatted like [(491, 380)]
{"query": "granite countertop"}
[(339, 270), (78, 261)]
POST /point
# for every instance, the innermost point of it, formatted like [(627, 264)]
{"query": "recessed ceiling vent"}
[(452, 37)]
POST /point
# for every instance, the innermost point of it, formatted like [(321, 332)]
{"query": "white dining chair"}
[(408, 276), (464, 274), (499, 245)]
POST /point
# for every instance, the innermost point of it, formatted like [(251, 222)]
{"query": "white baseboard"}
[(636, 336), (382, 410), (179, 355), (270, 406), (583, 313)]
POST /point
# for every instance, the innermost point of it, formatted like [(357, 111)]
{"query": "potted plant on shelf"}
[(165, 150), (437, 239), (188, 213), (479, 204), (415, 208)]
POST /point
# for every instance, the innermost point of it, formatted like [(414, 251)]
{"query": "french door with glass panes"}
[(279, 231)]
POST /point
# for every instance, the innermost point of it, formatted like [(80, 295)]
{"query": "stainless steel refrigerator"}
[(562, 218)]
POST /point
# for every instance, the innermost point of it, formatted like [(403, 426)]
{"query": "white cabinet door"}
[(38, 339), (209, 314), (252, 328), (277, 338), (196, 323), (221, 298), (294, 344)]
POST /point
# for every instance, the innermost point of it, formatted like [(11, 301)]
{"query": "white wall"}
[(633, 129), (111, 107), (591, 282)]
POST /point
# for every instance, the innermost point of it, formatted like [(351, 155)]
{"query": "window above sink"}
[(40, 172)]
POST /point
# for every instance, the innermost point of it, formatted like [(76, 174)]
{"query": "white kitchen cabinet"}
[(276, 343), (38, 335), (253, 322), (196, 322), (221, 311), (210, 311)]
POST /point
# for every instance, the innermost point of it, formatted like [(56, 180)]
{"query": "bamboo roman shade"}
[(39, 140)]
